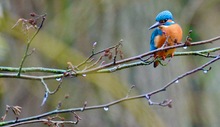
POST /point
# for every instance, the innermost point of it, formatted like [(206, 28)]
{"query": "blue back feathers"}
[(164, 15)]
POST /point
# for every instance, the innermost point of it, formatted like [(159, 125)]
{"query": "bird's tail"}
[(156, 63)]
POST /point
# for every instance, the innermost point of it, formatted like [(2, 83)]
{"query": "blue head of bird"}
[(162, 18)]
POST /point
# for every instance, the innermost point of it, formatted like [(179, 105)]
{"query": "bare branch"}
[(148, 54), (146, 95), (26, 54)]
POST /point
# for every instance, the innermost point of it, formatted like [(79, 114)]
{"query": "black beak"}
[(155, 25)]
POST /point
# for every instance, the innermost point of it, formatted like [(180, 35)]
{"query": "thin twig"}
[(93, 54), (94, 64), (29, 43), (48, 90)]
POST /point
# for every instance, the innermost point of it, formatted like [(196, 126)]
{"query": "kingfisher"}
[(166, 33)]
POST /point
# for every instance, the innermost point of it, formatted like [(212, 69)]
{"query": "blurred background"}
[(70, 29)]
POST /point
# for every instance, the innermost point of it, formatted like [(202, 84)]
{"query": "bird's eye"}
[(163, 21)]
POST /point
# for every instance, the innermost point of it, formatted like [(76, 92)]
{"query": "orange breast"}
[(174, 34)]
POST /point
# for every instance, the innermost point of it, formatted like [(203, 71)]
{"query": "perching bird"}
[(166, 33)]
